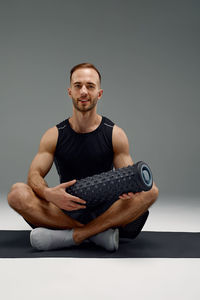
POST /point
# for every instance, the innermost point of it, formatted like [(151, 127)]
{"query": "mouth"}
[(83, 100)]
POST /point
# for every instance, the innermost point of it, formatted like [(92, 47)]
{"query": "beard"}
[(84, 108)]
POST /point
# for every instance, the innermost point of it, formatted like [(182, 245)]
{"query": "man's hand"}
[(128, 196), (62, 199)]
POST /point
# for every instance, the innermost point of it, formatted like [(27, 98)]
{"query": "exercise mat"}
[(149, 244)]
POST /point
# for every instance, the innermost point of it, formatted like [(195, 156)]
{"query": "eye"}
[(90, 86), (77, 86)]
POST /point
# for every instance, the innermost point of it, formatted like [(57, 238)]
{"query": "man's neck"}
[(84, 122)]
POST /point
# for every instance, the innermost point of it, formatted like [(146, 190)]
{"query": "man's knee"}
[(19, 196), (155, 193), (148, 198)]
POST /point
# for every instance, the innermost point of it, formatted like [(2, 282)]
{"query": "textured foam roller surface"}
[(108, 186)]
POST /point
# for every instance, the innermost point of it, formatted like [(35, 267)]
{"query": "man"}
[(83, 145)]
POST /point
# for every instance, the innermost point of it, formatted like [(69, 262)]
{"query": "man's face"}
[(85, 89)]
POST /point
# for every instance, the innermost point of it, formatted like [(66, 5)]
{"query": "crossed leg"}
[(120, 213), (41, 213), (38, 211)]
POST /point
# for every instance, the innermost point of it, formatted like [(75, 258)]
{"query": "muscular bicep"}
[(122, 160), (122, 157), (41, 163), (43, 160)]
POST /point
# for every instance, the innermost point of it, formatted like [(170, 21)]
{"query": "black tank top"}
[(79, 155)]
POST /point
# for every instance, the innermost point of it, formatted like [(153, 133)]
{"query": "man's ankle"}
[(77, 235)]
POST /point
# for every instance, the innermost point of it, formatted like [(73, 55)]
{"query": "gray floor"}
[(85, 279)]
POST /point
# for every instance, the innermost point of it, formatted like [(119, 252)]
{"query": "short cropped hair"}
[(84, 66)]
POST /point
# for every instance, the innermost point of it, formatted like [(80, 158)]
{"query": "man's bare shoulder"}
[(49, 140), (122, 156), (119, 137)]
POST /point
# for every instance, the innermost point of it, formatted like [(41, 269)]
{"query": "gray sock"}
[(48, 239), (108, 239)]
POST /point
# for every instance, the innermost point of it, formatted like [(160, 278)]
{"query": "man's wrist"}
[(45, 193)]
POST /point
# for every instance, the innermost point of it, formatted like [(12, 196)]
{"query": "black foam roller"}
[(108, 186)]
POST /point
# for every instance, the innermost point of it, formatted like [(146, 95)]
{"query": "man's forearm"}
[(37, 183)]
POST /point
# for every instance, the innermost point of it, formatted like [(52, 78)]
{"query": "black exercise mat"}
[(149, 244)]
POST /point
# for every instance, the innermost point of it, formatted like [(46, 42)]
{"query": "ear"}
[(100, 94), (69, 92)]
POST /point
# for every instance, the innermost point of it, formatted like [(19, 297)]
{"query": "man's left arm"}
[(122, 157)]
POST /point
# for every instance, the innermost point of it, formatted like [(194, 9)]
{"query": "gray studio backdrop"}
[(148, 54)]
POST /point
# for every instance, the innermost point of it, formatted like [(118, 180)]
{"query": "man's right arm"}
[(42, 162), (41, 165)]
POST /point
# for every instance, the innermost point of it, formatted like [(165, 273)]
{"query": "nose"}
[(83, 90)]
